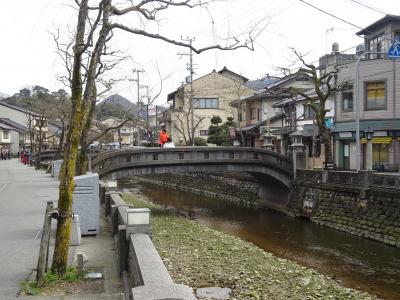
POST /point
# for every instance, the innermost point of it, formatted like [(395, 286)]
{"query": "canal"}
[(356, 262)]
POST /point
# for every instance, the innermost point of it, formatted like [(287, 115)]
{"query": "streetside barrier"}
[(139, 263), (362, 179)]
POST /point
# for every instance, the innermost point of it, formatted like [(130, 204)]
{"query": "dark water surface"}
[(357, 262)]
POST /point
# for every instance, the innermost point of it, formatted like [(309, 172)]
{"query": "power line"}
[(332, 15), (369, 7), (341, 19), (395, 18)]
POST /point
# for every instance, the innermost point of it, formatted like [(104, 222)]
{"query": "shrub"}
[(198, 141)]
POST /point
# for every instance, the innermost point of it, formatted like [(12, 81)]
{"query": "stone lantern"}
[(297, 147), (297, 140), (268, 138)]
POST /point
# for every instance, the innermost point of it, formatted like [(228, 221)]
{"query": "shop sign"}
[(346, 134)]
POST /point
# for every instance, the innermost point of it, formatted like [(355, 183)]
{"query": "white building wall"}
[(371, 70)]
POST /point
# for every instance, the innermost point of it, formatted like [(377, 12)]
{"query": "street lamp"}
[(137, 221), (369, 134)]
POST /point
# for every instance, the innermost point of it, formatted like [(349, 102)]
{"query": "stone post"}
[(122, 248), (43, 244), (369, 156)]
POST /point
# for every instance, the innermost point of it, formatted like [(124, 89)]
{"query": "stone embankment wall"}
[(365, 204), (231, 187)]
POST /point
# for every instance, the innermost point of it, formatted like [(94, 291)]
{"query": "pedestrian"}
[(169, 143), (1, 154), (163, 137)]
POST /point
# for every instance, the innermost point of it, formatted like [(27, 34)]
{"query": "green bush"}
[(198, 141)]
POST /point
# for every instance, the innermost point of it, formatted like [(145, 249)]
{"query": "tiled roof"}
[(379, 24), (6, 127), (13, 124), (261, 83), (21, 109)]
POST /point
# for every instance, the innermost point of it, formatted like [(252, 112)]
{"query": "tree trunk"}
[(31, 134), (326, 140), (39, 153), (67, 173), (66, 190), (119, 138), (83, 157), (61, 143)]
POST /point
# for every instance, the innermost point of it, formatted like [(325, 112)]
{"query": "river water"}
[(356, 262)]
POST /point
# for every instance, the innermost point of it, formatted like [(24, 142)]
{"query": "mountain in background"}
[(115, 106), (2, 95)]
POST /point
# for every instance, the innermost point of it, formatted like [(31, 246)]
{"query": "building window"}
[(375, 97), (242, 114), (252, 113), (6, 134), (204, 132), (380, 156), (258, 114), (347, 99), (204, 103), (376, 44), (308, 112)]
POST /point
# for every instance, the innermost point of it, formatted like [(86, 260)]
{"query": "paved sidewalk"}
[(23, 196)]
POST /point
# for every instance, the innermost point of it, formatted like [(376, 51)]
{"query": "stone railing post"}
[(102, 192), (122, 248), (364, 178), (107, 204)]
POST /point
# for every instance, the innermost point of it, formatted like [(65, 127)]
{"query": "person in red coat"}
[(163, 137)]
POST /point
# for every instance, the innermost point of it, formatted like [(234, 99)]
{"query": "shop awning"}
[(378, 140), (377, 125)]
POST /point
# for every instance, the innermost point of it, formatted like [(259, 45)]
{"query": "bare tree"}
[(30, 120), (236, 107), (182, 123), (95, 26), (324, 87)]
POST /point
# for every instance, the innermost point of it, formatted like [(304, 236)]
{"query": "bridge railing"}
[(360, 179), (110, 160)]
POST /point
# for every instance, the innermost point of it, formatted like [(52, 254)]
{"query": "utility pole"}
[(147, 109), (191, 72), (137, 71)]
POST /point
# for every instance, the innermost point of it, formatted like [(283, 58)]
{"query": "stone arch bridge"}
[(272, 170)]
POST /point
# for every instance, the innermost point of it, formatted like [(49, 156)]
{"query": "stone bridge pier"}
[(272, 192)]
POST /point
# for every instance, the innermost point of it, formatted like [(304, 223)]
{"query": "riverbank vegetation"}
[(198, 256)]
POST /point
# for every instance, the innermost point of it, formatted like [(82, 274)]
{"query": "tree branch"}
[(248, 44)]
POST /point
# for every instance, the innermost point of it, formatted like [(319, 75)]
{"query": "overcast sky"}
[(28, 56)]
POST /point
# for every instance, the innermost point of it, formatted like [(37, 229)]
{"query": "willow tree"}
[(323, 89), (97, 20)]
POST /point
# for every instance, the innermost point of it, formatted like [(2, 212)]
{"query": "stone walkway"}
[(23, 196)]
